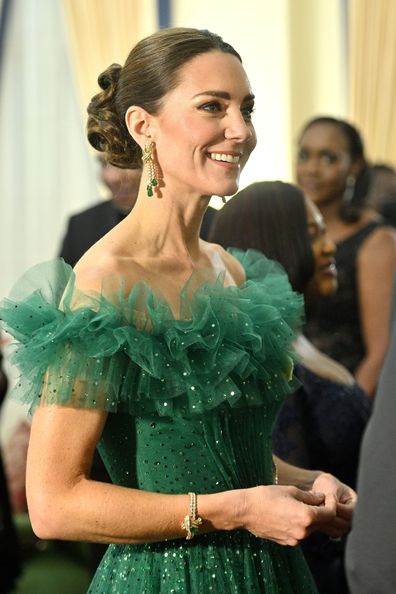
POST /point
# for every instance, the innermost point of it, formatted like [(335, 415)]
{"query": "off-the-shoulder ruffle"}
[(232, 346)]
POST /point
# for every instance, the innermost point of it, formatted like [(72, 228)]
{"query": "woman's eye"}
[(247, 112), (302, 155), (328, 158), (312, 235), (212, 107), (316, 232)]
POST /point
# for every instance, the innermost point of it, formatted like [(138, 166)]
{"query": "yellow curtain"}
[(372, 75), (102, 32)]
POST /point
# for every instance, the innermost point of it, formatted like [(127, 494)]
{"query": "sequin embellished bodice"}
[(192, 404), (214, 453)]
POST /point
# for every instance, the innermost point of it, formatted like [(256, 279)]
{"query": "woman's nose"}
[(328, 247), (238, 128), (310, 165)]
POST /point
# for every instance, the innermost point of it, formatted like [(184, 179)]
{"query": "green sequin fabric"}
[(193, 402)]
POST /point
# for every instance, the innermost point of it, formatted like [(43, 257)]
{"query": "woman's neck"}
[(331, 211), (167, 227)]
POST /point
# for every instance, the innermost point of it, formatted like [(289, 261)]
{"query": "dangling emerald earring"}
[(148, 159)]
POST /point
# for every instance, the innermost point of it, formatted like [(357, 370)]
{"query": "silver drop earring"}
[(349, 189)]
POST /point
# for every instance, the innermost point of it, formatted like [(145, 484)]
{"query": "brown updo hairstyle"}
[(150, 71)]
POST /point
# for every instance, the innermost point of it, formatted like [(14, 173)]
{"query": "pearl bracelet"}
[(275, 472), (191, 522)]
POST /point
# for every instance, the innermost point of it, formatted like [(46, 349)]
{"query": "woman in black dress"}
[(352, 325)]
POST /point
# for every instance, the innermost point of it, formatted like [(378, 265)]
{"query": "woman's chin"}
[(328, 287), (324, 287)]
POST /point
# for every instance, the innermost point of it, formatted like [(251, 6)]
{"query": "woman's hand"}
[(286, 515), (342, 497)]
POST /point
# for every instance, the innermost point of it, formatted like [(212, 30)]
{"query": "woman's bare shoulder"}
[(380, 242), (233, 267), (100, 265)]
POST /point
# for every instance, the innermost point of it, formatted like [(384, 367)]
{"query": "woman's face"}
[(203, 132), (323, 163), (324, 280)]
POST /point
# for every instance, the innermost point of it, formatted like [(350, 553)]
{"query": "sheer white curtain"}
[(46, 171)]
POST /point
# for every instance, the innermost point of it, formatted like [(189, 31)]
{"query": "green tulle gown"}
[(191, 402)]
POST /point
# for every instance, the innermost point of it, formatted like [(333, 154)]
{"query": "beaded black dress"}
[(192, 403)]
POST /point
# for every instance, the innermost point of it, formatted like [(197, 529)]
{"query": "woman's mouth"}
[(310, 186), (233, 159), (329, 269)]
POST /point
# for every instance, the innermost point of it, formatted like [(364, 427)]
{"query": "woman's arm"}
[(294, 475), (376, 265), (65, 504)]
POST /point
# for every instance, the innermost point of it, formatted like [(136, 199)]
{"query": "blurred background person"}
[(321, 425), (352, 325), (382, 191), (87, 227)]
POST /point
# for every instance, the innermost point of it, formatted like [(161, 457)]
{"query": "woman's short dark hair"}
[(150, 71), (350, 210), (270, 217)]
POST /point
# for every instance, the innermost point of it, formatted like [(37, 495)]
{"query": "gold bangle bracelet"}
[(191, 521)]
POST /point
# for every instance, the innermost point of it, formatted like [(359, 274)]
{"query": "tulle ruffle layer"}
[(123, 352)]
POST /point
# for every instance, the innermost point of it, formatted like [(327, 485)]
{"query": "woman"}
[(352, 325), (159, 349), (322, 423)]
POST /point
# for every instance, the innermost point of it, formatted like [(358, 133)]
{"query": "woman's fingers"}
[(287, 515), (309, 497), (345, 511)]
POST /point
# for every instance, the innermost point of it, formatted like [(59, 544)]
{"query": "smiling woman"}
[(160, 349)]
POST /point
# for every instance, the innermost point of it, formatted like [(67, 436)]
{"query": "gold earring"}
[(148, 159)]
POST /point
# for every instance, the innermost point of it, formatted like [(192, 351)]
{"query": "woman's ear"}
[(138, 121)]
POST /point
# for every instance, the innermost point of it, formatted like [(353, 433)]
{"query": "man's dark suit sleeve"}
[(86, 228), (69, 247), (371, 556)]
